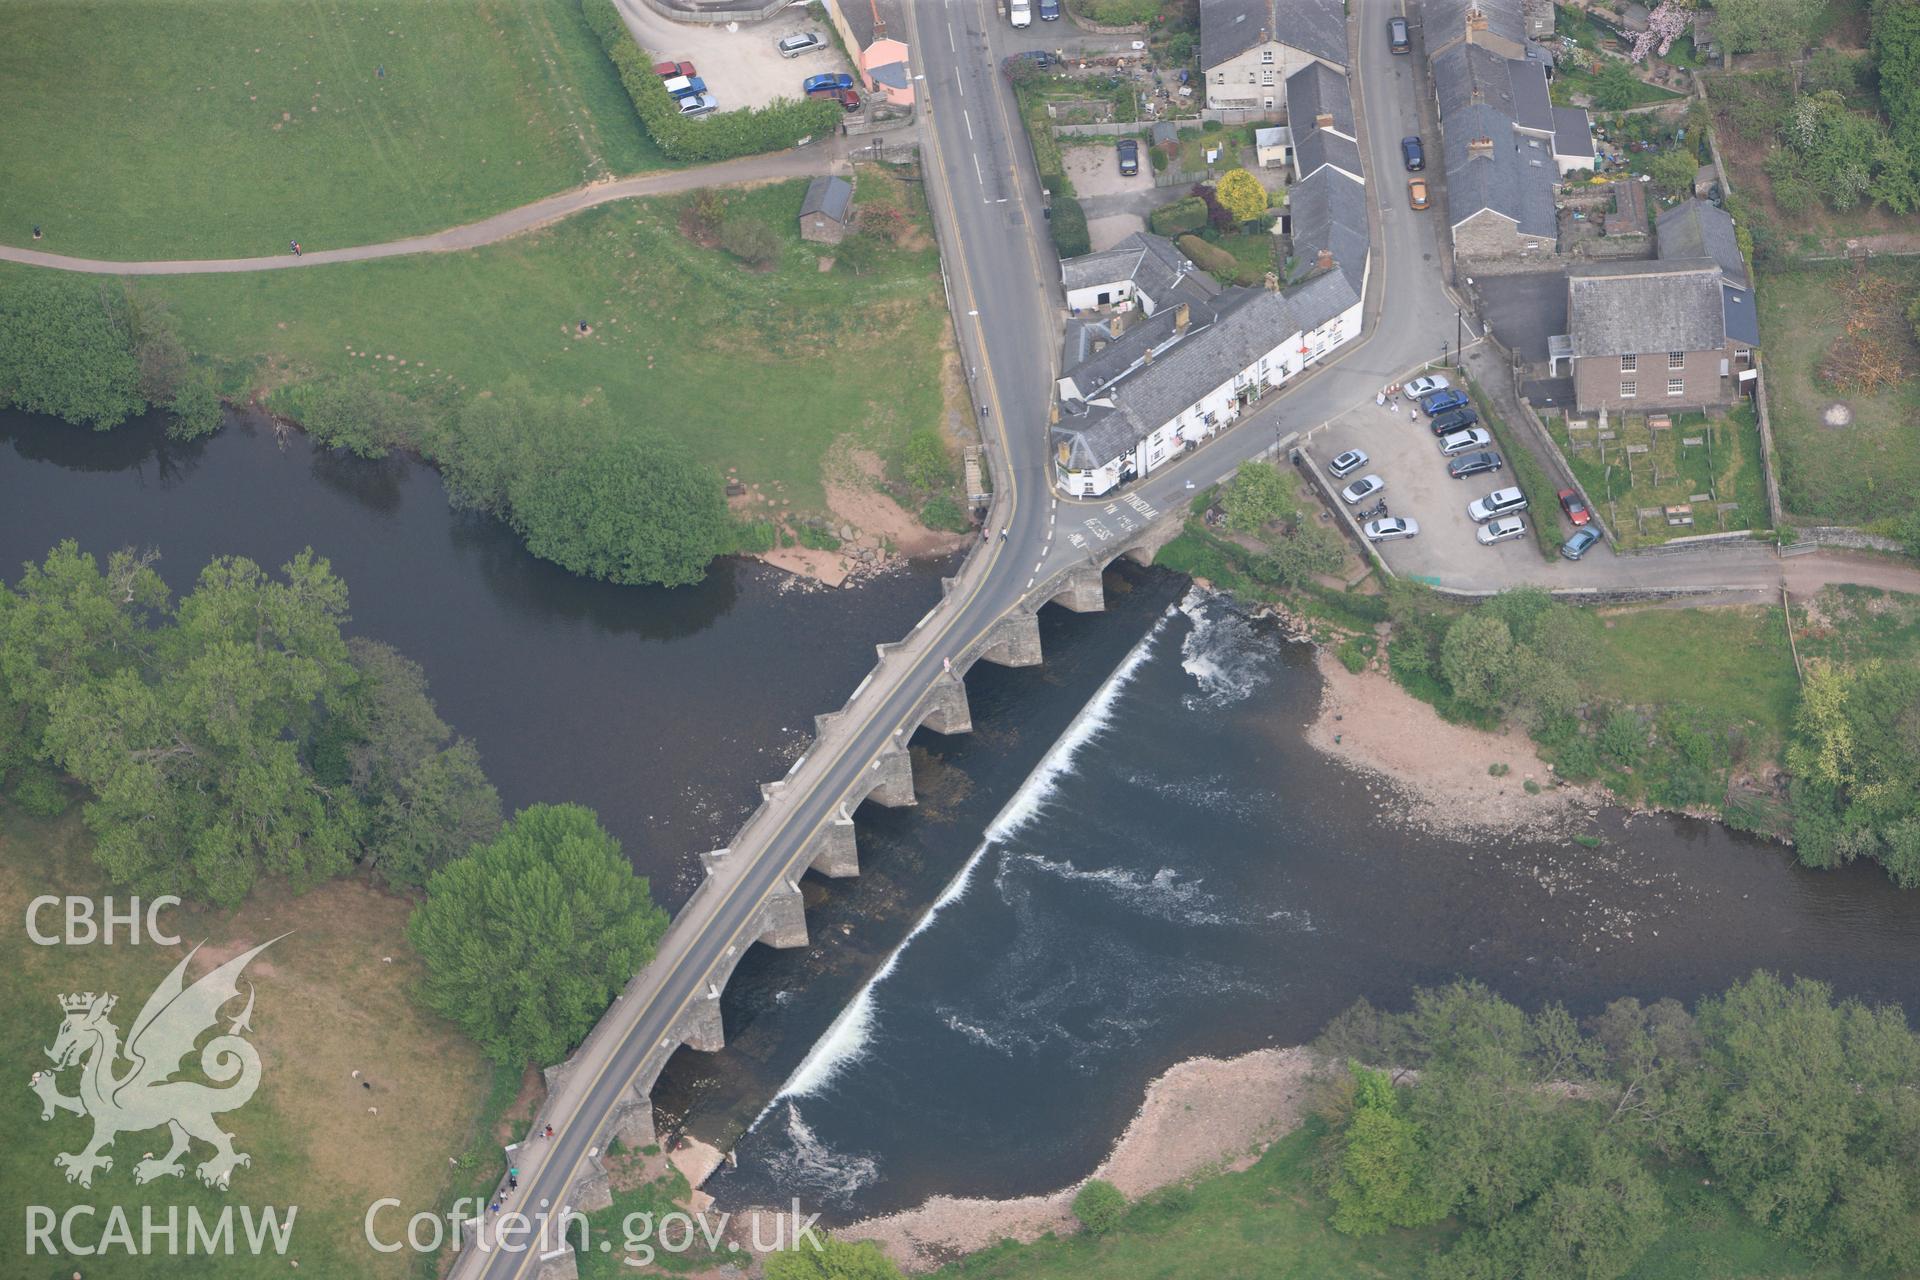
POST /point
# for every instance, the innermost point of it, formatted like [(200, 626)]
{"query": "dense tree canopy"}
[(1782, 26), (835, 1260), (527, 939), (1855, 757)]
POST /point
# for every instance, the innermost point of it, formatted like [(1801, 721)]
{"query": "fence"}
[(1776, 513)]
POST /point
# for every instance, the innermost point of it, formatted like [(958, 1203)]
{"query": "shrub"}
[(1499, 770), (39, 794), (1187, 214), (928, 464), (195, 408), (66, 349), (1209, 258), (1069, 228), (1099, 1206), (1354, 654), (1242, 195), (942, 512), (749, 239), (720, 136), (357, 414)]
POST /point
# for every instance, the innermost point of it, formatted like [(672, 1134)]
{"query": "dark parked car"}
[(1412, 154), (849, 99), (667, 70), (1398, 39), (1455, 420), (1438, 402), (1474, 464), (827, 80), (1577, 545), (1049, 10), (1129, 150)]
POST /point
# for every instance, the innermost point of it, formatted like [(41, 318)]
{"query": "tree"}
[(1594, 1226), (1295, 558), (1615, 87), (1779, 26), (356, 413), (1379, 1176), (1099, 1206), (1856, 763), (833, 1260), (195, 408), (65, 349), (1476, 659), (749, 239), (1894, 36), (1673, 171), (1241, 194), (194, 759), (528, 938), (1261, 492), (628, 505)]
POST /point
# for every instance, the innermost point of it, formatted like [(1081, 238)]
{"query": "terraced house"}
[(1248, 48)]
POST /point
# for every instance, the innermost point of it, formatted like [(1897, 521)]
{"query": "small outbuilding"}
[(827, 212)]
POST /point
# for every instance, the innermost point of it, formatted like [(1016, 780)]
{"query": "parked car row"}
[(686, 88)]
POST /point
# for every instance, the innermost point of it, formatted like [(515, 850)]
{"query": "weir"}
[(832, 849)]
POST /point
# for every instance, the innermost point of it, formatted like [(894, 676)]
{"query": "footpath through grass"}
[(331, 999), (756, 370), (1869, 469), (225, 129)]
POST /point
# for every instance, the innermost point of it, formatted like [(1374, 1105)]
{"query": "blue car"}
[(1436, 403), (1576, 545), (831, 80), (685, 86)]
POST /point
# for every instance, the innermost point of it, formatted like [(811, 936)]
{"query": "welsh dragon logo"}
[(142, 1095)]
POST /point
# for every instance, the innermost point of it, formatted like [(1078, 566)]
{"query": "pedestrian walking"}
[(36, 231), (1413, 415), (1003, 535), (549, 1131), (513, 1184)]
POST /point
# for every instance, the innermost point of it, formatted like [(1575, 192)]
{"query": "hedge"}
[(1528, 475), (720, 136), (1209, 258), (1187, 214), (1069, 227)]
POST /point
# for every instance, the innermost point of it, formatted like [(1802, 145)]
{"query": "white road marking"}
[(1029, 584), (957, 84), (950, 45), (1038, 563), (977, 175), (969, 119)]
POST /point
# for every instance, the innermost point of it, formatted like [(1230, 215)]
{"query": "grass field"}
[(1855, 474), (226, 128), (1848, 623), (759, 370), (1271, 1222), (1733, 661), (329, 1002), (1726, 464)]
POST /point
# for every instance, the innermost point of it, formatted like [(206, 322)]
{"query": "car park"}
[(1576, 509), (1389, 528), (668, 70), (1129, 152), (805, 42), (1398, 38), (1473, 464), (1501, 502), (828, 80), (1462, 441), (684, 86), (1426, 385), (1454, 420), (1347, 463), (1417, 193), (849, 99), (1581, 541), (1412, 154), (1500, 529), (700, 104), (1365, 487), (1435, 403)]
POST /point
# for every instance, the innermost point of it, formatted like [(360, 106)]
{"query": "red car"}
[(1576, 510), (849, 99), (667, 70)]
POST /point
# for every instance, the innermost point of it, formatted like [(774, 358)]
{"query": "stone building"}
[(1248, 48), (827, 212), (1649, 337)]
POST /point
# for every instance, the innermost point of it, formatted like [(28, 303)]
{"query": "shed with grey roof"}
[(826, 210)]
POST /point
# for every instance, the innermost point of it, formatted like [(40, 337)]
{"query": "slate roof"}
[(1228, 28), (1635, 308), (1572, 132), (1446, 20), (1330, 212), (1153, 263), (1697, 229), (1318, 89), (1468, 74), (1515, 178), (1741, 313), (1325, 147), (1532, 107), (831, 196)]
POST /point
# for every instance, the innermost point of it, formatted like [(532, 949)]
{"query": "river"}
[(1135, 858)]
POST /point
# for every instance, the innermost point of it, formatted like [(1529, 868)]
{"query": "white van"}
[(1020, 12)]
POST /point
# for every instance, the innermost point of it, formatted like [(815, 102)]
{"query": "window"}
[(1266, 78), (1676, 386), (1266, 57), (1744, 353), (1629, 363), (1676, 359), (1219, 77), (1628, 389)]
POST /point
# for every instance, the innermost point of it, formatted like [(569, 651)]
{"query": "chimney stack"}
[(1263, 35), (1325, 261), (1182, 315), (1324, 120), (1480, 147)]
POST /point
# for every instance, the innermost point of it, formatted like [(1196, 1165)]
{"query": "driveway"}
[(1094, 169), (742, 68), (1524, 309)]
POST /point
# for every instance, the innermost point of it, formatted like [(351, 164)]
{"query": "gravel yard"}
[(742, 68)]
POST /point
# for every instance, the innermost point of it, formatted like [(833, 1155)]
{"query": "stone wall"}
[(1488, 235)]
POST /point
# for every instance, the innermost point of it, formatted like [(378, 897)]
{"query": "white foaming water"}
[(846, 1041), (1163, 894), (1221, 653), (811, 1165)]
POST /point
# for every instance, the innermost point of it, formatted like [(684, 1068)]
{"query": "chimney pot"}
[(1181, 317), (1325, 261), (1324, 120), (1482, 146)]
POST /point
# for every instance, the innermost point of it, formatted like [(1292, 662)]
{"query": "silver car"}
[(1461, 441), (1347, 463), (699, 104), (1501, 502), (1426, 386), (1364, 487), (805, 42), (1388, 528), (1500, 529)]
